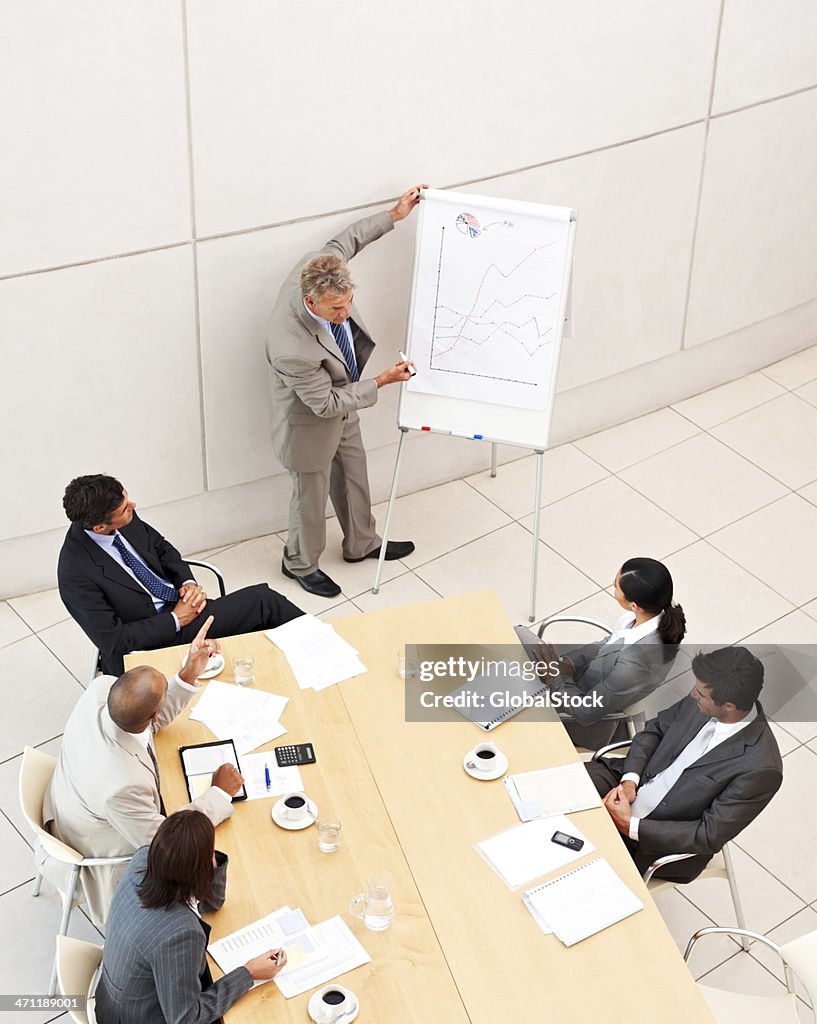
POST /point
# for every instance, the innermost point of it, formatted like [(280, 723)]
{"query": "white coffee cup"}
[(295, 806), (333, 1002), (485, 755)]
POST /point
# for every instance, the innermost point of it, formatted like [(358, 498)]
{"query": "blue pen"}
[(266, 777)]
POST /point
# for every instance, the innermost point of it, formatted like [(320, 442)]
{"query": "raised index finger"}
[(202, 633)]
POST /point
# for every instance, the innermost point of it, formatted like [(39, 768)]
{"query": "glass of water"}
[(243, 665), (375, 906), (328, 835)]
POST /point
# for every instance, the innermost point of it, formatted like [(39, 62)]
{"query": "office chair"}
[(720, 866), (36, 771), (798, 957), (77, 963), (96, 657)]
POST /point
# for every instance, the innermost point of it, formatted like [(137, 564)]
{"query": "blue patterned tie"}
[(340, 336), (149, 580)]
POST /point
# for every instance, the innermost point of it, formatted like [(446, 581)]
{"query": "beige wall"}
[(166, 162)]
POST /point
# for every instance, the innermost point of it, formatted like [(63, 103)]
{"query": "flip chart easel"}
[(489, 294)]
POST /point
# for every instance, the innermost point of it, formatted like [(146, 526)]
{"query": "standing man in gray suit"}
[(699, 773), (317, 347)]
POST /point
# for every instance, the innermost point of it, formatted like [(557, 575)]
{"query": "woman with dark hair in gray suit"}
[(630, 664), (154, 966)]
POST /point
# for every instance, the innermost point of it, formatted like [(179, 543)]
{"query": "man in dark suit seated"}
[(129, 588), (700, 772)]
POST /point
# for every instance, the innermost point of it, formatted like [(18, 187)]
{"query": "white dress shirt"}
[(627, 633), (723, 731)]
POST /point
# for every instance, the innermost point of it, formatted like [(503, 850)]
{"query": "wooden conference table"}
[(462, 947)]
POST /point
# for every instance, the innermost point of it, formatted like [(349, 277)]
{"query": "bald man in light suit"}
[(104, 798)]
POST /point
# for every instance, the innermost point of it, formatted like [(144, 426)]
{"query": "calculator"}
[(294, 754)]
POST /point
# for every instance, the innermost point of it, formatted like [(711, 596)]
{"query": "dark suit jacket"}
[(717, 796), (154, 958), (116, 613)]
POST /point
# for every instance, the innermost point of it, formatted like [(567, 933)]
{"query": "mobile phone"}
[(571, 842), (295, 754)]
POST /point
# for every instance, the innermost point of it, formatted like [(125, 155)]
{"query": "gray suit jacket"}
[(717, 796), (153, 960), (103, 799), (311, 391)]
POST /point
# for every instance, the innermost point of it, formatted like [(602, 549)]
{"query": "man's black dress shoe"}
[(316, 582), (394, 549)]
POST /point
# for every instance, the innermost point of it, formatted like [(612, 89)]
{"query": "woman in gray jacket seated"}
[(631, 663), (154, 966)]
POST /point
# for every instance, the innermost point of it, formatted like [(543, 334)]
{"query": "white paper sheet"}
[(282, 780), (249, 717), (314, 955), (561, 790), (524, 852), (316, 654)]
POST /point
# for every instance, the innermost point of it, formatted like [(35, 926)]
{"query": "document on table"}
[(316, 654), (524, 852), (584, 901), (550, 791), (249, 717), (282, 780), (315, 954)]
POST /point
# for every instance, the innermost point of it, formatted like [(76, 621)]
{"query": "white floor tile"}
[(565, 470), (766, 901), (808, 392), (354, 577), (776, 544), (684, 919), (785, 740), (742, 973), (406, 589), (40, 610), (12, 627), (340, 611), (780, 437), (28, 927), (16, 857), (501, 562), (608, 522), (703, 483), (722, 601), (794, 370), (789, 814), (39, 694), (628, 443), (796, 926), (728, 400), (441, 519), (73, 648)]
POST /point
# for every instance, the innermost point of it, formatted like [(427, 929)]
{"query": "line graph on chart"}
[(498, 320)]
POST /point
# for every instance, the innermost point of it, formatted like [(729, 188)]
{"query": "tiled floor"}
[(722, 486)]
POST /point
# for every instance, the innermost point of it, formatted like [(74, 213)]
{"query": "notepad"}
[(561, 790), (582, 902), (524, 852)]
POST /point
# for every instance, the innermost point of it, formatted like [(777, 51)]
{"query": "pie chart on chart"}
[(468, 224)]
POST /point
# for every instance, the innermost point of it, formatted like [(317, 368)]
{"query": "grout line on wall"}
[(764, 103), (191, 171), (96, 259), (697, 217)]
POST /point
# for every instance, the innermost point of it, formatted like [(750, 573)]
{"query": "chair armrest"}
[(99, 862), (669, 858), (740, 932), (573, 618), (213, 569), (610, 746)]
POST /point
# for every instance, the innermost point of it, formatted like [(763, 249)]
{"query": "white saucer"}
[(496, 772), (308, 819), (215, 664), (315, 1006)]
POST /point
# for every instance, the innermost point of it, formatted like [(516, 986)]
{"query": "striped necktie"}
[(149, 580), (342, 339)]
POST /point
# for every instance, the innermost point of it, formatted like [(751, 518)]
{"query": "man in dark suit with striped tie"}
[(317, 347), (130, 589)]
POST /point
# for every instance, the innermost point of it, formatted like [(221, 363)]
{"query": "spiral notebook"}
[(491, 699), (582, 902)]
